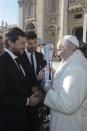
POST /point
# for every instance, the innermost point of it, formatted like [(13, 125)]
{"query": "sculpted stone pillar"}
[(63, 17), (21, 16), (40, 18), (85, 26)]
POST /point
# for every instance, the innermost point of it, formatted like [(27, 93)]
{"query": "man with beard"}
[(13, 88)]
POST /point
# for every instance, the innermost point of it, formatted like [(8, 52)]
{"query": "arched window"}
[(51, 35), (30, 10), (78, 32), (53, 5)]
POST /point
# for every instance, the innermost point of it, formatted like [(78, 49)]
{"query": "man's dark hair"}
[(31, 35), (14, 33)]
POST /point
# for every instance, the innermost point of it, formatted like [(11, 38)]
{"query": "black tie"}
[(32, 62)]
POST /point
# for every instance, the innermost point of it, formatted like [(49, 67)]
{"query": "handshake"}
[(35, 98)]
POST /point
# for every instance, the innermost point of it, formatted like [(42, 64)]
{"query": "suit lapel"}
[(26, 58), (13, 64), (37, 63), (27, 63)]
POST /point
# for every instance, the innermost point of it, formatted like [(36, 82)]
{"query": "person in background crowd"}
[(13, 88), (67, 98), (33, 64), (83, 48), (40, 45)]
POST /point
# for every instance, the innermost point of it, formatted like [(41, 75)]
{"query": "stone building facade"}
[(52, 19), (5, 28)]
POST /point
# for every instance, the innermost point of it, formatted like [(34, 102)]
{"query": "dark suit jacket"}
[(28, 67), (32, 120), (13, 92)]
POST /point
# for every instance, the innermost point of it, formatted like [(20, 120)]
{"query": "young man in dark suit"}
[(34, 71), (13, 88)]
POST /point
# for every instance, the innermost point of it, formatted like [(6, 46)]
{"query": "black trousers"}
[(11, 120), (32, 122)]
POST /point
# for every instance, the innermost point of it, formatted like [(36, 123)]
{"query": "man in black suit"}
[(34, 71), (13, 88)]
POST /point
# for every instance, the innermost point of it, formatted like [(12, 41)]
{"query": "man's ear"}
[(10, 43)]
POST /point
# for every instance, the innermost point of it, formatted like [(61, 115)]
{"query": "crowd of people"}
[(22, 95)]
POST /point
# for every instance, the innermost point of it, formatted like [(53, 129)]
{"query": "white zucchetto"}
[(72, 39)]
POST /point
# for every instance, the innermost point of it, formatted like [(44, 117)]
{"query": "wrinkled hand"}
[(39, 94), (33, 100), (41, 74), (53, 71)]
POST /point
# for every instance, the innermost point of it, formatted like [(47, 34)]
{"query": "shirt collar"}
[(11, 54), (29, 53)]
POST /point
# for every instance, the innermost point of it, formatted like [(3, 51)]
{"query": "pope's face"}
[(62, 51)]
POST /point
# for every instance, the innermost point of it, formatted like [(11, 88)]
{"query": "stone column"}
[(40, 18), (63, 17), (85, 26), (21, 16)]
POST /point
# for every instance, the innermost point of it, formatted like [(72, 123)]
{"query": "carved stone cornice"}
[(20, 2), (77, 5)]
